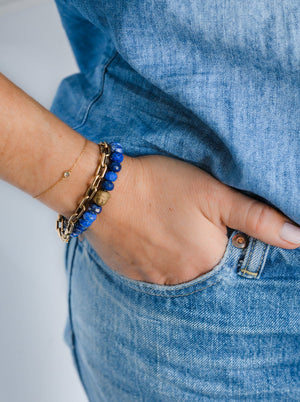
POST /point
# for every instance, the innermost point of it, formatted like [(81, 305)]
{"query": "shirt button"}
[(240, 240)]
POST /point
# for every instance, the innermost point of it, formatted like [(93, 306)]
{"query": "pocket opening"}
[(226, 264)]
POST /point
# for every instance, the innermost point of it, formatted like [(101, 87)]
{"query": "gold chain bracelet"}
[(66, 173), (65, 226)]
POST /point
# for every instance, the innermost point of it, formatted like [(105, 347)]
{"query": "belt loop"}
[(254, 260)]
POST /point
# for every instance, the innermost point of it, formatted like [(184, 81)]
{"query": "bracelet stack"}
[(97, 194)]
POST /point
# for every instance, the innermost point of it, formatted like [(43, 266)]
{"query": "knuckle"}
[(209, 200), (257, 216)]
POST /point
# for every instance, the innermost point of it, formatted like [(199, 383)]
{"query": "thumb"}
[(258, 220)]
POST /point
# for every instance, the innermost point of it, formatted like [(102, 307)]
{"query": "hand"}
[(166, 221)]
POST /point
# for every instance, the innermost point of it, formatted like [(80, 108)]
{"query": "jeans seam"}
[(254, 274), (260, 266), (172, 296), (74, 353), (99, 94), (127, 283), (244, 271), (261, 258)]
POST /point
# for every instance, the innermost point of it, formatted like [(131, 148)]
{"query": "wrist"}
[(97, 193), (82, 178), (118, 194), (66, 195)]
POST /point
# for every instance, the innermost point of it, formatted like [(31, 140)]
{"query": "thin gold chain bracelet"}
[(111, 156), (66, 174)]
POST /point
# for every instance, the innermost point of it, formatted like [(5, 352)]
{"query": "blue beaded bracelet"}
[(86, 213), (93, 210)]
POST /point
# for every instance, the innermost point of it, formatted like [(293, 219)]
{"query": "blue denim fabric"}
[(214, 84), (217, 85), (232, 334)]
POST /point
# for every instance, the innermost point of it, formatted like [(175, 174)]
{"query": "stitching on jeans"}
[(250, 255), (185, 294), (254, 274), (69, 292), (245, 271), (262, 256), (241, 260), (99, 94), (154, 294), (261, 259), (127, 283), (70, 316)]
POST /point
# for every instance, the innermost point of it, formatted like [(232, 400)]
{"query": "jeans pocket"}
[(202, 282)]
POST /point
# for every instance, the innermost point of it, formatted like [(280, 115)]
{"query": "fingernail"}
[(290, 232)]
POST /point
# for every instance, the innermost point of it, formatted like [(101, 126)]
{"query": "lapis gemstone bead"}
[(82, 224), (116, 157), (86, 220), (114, 167), (95, 208), (111, 176), (116, 147), (74, 234), (80, 228), (107, 185), (89, 216)]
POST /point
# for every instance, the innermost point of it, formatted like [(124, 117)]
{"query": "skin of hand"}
[(165, 222)]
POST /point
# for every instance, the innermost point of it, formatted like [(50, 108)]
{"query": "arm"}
[(36, 147), (164, 213)]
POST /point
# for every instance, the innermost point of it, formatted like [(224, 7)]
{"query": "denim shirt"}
[(213, 83)]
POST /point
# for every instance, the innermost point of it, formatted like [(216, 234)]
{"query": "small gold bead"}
[(101, 198)]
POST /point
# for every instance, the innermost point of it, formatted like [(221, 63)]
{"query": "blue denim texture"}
[(232, 334), (216, 85)]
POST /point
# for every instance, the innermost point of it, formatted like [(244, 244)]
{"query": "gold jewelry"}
[(65, 226), (66, 173), (101, 198)]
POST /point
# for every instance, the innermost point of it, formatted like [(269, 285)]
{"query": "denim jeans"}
[(216, 85), (231, 334)]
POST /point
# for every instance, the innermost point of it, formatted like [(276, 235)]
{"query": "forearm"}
[(36, 148)]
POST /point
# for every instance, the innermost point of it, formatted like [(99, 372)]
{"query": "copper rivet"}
[(239, 241)]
